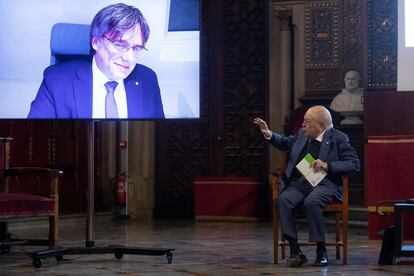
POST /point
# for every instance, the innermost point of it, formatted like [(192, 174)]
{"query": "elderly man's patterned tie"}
[(111, 110)]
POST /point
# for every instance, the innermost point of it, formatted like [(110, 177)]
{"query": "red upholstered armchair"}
[(21, 198)]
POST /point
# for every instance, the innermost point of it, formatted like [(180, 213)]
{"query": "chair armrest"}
[(32, 171), (35, 172), (345, 192), (275, 182)]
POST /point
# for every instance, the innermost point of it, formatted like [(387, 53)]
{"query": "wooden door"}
[(223, 142)]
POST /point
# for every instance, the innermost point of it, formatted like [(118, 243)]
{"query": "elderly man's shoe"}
[(297, 260), (322, 259)]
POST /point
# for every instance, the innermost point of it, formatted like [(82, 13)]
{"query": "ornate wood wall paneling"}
[(322, 49), (3, 158), (233, 91), (183, 145), (100, 201), (382, 44), (354, 38), (30, 144), (70, 147), (244, 86), (382, 76), (397, 120), (335, 43), (322, 34), (214, 89), (354, 57), (55, 144)]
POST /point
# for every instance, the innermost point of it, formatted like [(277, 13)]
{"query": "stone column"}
[(284, 15), (280, 71)]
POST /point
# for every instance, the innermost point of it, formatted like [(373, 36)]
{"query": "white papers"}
[(306, 169)]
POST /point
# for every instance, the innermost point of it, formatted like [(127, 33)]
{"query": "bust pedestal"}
[(351, 117)]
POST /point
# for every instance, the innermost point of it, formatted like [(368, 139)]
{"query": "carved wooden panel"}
[(353, 37), (183, 145), (322, 41), (382, 45), (4, 153), (55, 144), (185, 155), (322, 33), (320, 80), (244, 86), (335, 43), (233, 91)]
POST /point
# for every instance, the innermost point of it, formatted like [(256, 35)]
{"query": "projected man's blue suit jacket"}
[(66, 92)]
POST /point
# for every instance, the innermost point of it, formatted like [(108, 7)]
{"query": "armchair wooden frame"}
[(37, 175), (341, 210)]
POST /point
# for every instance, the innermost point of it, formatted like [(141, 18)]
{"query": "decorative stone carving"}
[(285, 17)]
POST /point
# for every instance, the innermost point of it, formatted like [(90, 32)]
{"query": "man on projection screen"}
[(111, 85)]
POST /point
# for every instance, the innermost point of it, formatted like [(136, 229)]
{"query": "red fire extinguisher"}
[(121, 190)]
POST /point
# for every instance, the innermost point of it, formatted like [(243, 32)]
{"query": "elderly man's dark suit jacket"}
[(335, 150), (66, 92)]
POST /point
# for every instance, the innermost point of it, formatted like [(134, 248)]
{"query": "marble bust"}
[(349, 101)]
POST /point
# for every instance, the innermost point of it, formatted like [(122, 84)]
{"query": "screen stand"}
[(117, 250)]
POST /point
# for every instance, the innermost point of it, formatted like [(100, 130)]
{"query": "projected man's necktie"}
[(111, 110)]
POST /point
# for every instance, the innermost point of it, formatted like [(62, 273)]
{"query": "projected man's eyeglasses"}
[(124, 47)]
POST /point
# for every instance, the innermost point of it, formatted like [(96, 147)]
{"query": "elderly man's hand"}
[(319, 165), (263, 128)]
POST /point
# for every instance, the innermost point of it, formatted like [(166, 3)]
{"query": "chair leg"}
[(53, 230), (345, 236), (54, 223), (275, 236), (337, 236), (282, 242), (283, 248)]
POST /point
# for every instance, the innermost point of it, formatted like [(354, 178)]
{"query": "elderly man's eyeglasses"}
[(307, 121), (124, 47)]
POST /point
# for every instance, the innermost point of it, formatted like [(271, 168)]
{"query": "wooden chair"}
[(21, 199), (339, 208)]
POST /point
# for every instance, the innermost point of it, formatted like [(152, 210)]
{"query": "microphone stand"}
[(117, 250)]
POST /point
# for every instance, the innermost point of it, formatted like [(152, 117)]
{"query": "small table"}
[(401, 250)]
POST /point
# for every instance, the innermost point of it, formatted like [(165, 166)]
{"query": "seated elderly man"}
[(334, 155)]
